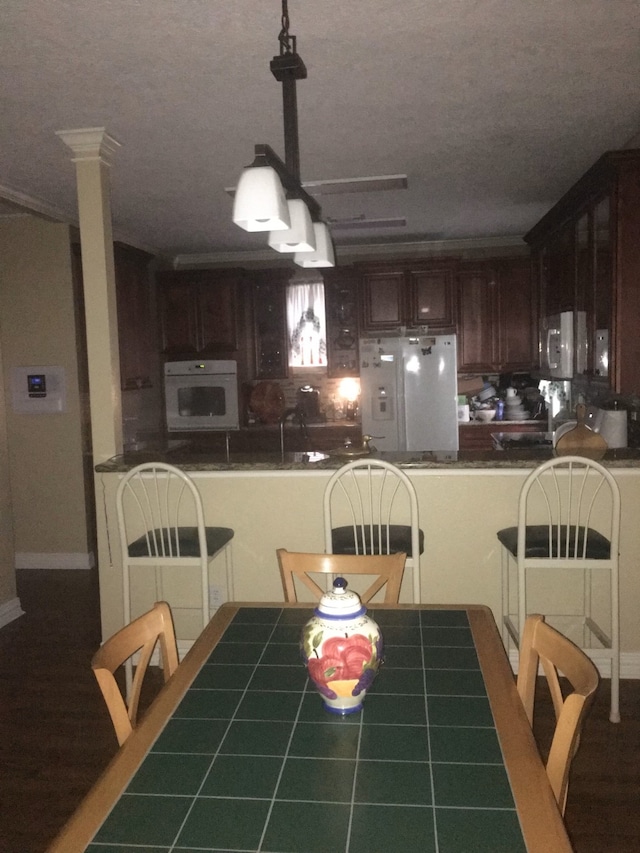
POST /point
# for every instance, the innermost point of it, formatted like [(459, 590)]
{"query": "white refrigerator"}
[(409, 392)]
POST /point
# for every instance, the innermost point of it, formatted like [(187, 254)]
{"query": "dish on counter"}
[(485, 415)]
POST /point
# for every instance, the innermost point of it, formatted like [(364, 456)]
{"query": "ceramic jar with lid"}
[(342, 648)]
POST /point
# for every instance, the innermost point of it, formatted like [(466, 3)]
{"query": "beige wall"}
[(37, 322), (460, 514)]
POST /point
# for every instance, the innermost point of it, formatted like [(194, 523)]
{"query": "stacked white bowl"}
[(513, 409)]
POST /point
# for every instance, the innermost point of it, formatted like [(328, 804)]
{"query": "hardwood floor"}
[(56, 736)]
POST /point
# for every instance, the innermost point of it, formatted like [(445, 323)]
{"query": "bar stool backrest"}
[(371, 507)]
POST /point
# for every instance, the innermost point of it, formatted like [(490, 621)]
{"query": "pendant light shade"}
[(260, 203), (323, 255), (300, 237), (260, 200)]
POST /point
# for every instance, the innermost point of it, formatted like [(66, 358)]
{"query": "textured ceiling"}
[(492, 108)]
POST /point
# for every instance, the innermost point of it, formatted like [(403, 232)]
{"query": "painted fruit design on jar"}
[(341, 649)]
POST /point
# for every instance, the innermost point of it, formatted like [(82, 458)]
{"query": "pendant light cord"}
[(287, 41)]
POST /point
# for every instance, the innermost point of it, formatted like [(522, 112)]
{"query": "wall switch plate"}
[(216, 597)]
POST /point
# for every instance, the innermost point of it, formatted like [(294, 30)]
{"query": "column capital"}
[(89, 143)]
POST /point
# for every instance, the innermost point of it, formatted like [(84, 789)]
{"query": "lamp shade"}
[(300, 237), (323, 255), (260, 203)]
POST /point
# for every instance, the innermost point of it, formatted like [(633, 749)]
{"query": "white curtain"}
[(307, 325)]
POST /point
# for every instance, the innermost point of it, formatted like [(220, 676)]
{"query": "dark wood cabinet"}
[(341, 309), (477, 351), (199, 312), (136, 315), (136, 328), (587, 258), (412, 294), (517, 315), (268, 298), (558, 268), (497, 310), (431, 294)]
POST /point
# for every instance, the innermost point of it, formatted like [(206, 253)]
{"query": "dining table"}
[(238, 753)]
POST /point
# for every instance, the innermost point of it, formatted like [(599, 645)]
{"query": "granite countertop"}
[(190, 459)]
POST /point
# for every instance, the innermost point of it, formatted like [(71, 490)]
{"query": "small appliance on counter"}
[(612, 426), (308, 402)]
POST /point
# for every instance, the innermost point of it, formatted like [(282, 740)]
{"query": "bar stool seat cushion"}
[(187, 544), (343, 540), (537, 542)]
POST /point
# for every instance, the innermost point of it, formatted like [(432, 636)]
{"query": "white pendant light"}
[(300, 237), (260, 203), (323, 255)]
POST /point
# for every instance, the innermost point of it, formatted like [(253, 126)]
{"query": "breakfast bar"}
[(237, 752), (464, 498)]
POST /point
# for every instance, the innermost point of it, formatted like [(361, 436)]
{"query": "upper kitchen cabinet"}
[(497, 330), (136, 328), (268, 299), (557, 263), (411, 294), (587, 259), (199, 312), (135, 306), (341, 307)]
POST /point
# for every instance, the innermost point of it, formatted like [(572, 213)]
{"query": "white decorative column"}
[(92, 150)]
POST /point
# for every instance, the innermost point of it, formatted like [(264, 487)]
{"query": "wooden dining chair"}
[(299, 565), (543, 644), (142, 635)]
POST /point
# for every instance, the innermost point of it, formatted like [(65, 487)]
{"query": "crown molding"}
[(90, 143), (31, 205), (348, 253)]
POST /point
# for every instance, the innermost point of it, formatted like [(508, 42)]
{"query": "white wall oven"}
[(201, 395)]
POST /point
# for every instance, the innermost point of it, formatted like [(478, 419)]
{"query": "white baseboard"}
[(74, 560), (629, 662), (9, 611)]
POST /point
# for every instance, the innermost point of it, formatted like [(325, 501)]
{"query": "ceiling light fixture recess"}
[(270, 196)]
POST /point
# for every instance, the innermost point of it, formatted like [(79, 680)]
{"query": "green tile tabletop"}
[(239, 754)]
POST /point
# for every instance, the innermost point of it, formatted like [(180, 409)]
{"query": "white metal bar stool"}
[(567, 538)]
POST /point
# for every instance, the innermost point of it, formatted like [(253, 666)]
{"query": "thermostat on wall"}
[(38, 390)]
